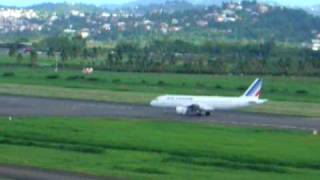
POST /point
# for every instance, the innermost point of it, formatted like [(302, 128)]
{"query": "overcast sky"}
[(30, 2)]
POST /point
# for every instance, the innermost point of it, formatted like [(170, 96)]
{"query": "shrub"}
[(218, 86), (241, 88), (161, 83), (273, 90), (116, 81), (200, 85), (93, 79), (8, 74), (143, 82), (147, 170), (52, 76), (76, 77), (302, 92)]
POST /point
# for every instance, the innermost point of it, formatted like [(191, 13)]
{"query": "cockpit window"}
[(160, 98)]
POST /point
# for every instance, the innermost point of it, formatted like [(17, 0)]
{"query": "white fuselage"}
[(208, 103), (203, 105)]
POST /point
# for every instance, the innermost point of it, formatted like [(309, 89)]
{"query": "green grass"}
[(277, 88), (77, 93), (159, 150)]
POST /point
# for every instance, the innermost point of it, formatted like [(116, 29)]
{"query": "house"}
[(175, 29), (164, 28), (69, 31), (316, 45), (174, 21), (202, 23), (148, 28), (106, 27), (263, 8), (147, 22), (85, 33), (121, 26), (220, 19), (105, 15)]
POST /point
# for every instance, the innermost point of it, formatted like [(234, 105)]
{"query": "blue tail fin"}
[(255, 89)]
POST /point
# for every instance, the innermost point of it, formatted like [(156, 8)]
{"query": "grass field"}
[(288, 95), (159, 150), (277, 88)]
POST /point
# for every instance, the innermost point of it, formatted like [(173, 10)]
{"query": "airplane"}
[(205, 105)]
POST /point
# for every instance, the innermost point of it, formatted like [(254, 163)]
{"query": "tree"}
[(85, 53), (19, 58), (33, 58), (94, 55), (50, 52), (64, 57), (12, 51)]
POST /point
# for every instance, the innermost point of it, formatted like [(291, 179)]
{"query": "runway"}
[(27, 173), (17, 106)]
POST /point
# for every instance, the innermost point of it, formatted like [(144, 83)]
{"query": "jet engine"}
[(182, 110)]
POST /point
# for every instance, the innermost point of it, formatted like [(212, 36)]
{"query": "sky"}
[(98, 2)]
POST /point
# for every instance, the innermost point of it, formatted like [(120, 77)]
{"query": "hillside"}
[(63, 7), (195, 2), (248, 20), (315, 10)]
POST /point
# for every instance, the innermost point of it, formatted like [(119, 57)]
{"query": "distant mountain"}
[(55, 6), (209, 2), (85, 7), (64, 7), (3, 6), (153, 5), (144, 3), (315, 10), (196, 2)]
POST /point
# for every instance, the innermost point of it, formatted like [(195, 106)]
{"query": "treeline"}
[(178, 56), (214, 58)]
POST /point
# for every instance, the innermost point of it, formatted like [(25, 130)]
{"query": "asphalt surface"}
[(17, 106), (26, 173)]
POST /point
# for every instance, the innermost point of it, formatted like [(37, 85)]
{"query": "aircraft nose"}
[(154, 103)]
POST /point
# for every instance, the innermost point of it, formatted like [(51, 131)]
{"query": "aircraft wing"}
[(205, 107)]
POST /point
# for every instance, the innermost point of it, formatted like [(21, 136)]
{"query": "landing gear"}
[(195, 110), (204, 113)]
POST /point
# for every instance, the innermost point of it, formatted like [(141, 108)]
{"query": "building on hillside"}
[(202, 23), (106, 27), (105, 15), (121, 26), (316, 45), (69, 31), (175, 28), (263, 8), (174, 21), (164, 28), (85, 33)]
